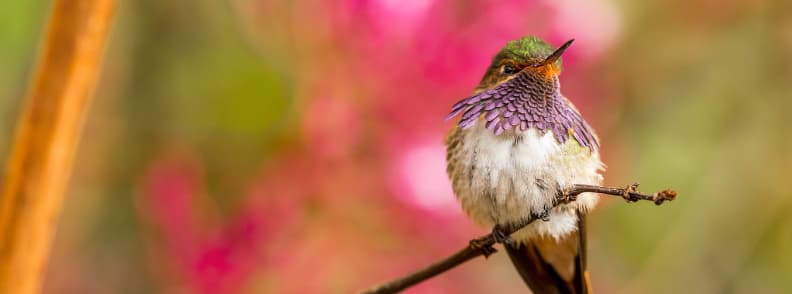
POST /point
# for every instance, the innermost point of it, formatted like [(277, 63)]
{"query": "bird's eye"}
[(508, 69)]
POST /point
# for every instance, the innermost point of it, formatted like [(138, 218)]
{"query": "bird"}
[(518, 143)]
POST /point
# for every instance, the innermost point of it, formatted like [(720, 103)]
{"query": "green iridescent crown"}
[(529, 48)]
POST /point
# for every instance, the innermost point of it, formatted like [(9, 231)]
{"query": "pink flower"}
[(210, 255), (324, 118), (420, 179)]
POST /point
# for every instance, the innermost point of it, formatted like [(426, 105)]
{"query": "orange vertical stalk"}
[(46, 139)]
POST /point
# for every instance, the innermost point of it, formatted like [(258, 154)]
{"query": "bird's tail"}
[(554, 266)]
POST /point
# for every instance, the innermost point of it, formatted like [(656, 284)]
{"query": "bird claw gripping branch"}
[(484, 245)]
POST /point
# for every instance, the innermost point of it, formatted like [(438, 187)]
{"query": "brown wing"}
[(554, 267)]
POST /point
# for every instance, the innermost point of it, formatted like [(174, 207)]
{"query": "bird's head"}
[(527, 54)]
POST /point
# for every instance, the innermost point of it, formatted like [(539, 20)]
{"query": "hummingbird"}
[(519, 142)]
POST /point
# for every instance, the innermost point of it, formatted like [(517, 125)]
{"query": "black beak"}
[(556, 55)]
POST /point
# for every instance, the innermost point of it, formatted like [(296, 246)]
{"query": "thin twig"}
[(630, 193), (483, 245)]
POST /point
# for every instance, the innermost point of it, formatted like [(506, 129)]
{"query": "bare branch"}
[(630, 193), (484, 245)]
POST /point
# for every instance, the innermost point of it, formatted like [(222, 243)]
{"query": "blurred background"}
[(264, 146)]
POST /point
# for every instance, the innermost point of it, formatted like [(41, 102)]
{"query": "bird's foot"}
[(500, 236), (484, 245), (544, 215)]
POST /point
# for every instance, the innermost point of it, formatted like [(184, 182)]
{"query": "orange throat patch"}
[(549, 71)]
